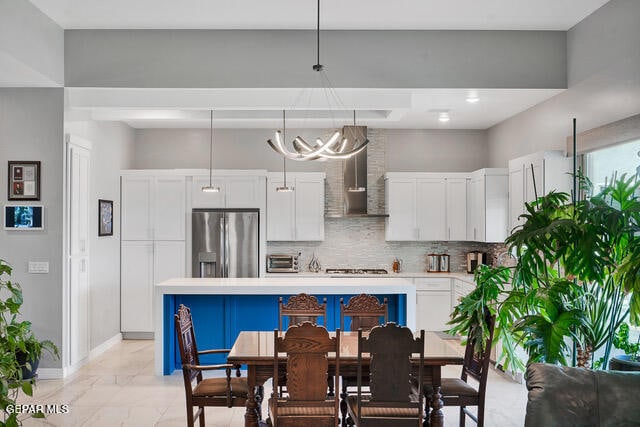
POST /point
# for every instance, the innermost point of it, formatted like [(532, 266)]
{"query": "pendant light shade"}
[(210, 188)]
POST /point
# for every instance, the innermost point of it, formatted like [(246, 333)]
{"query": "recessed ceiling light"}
[(472, 99), (444, 117)]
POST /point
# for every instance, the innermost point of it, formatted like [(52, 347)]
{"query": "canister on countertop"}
[(433, 263), (444, 263)]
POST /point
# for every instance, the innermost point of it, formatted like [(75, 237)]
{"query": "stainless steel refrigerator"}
[(225, 242)]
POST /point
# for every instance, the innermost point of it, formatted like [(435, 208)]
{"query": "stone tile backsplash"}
[(360, 243)]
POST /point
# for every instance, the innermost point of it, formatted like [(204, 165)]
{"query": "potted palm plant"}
[(20, 351)]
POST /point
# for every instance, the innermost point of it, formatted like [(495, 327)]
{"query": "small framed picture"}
[(24, 180), (105, 217)]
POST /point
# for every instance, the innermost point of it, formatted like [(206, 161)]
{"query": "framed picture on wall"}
[(24, 180), (105, 217)]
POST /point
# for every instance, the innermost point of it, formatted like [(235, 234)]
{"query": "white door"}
[(516, 196), (534, 180), (309, 209), (401, 207), (433, 310), (456, 209), (136, 269), (136, 208), (168, 207), (280, 211), (168, 262), (243, 192), (431, 208), (78, 164)]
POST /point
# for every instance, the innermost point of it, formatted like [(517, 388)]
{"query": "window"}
[(616, 160)]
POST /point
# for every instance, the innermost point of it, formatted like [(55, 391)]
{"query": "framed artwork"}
[(105, 217), (24, 181)]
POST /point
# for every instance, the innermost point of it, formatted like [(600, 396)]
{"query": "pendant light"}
[(284, 188), (210, 188), (335, 146), (355, 188)]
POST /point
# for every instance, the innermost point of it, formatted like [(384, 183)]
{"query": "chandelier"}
[(337, 145)]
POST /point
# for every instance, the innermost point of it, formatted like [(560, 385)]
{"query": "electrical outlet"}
[(38, 267)]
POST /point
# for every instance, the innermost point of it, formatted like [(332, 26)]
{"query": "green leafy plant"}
[(16, 342), (621, 342), (469, 317)]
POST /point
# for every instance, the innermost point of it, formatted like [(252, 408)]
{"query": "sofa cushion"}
[(564, 396)]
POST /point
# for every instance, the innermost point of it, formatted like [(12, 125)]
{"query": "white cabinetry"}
[(536, 174), (153, 208), (433, 303), (461, 289), (297, 215), (488, 205), (143, 264), (426, 206), (456, 217), (235, 192)]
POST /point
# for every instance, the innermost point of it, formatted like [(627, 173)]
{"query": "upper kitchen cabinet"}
[(153, 207), (426, 206), (236, 191), (297, 215), (488, 205), (536, 175)]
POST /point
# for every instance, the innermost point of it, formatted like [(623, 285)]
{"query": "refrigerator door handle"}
[(222, 255), (227, 249)]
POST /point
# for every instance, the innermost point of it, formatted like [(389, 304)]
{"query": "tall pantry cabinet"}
[(153, 243)]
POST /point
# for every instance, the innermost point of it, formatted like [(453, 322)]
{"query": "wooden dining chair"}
[(307, 346), (225, 391), (457, 391), (302, 308), (393, 400), (365, 312)]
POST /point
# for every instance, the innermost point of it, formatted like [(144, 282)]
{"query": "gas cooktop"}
[(356, 271)]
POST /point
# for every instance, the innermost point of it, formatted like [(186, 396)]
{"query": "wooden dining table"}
[(255, 349)]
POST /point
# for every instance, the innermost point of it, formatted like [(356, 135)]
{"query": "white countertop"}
[(408, 275), (292, 283)]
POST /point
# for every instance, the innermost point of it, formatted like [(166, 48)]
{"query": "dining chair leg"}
[(343, 406), (330, 384), (463, 417), (201, 417)]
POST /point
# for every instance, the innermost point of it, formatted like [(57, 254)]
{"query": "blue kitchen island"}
[(222, 307)]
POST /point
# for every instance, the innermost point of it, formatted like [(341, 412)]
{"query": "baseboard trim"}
[(97, 351), (50, 373), (137, 335)]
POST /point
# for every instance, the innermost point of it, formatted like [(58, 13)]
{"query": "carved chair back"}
[(365, 312), (187, 345), (391, 378), (302, 308), (307, 346)]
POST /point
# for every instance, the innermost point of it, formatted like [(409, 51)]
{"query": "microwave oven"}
[(282, 263)]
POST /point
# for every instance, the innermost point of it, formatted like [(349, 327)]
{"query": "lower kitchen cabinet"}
[(433, 303), (143, 264)]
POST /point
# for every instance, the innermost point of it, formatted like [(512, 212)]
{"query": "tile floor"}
[(119, 388)]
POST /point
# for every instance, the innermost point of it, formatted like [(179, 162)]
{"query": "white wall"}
[(604, 86), (407, 150), (112, 150), (31, 46), (31, 123), (358, 59), (428, 150)]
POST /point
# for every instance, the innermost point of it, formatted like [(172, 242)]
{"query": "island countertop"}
[(263, 287), (286, 285)]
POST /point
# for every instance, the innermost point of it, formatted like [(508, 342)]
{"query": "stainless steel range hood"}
[(354, 177)]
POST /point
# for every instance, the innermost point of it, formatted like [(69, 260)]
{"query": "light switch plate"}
[(38, 267)]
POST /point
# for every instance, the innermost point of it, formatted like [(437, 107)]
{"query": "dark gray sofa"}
[(563, 396)]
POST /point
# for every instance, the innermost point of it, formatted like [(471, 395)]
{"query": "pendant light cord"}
[(318, 66), (284, 137), (211, 152)]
